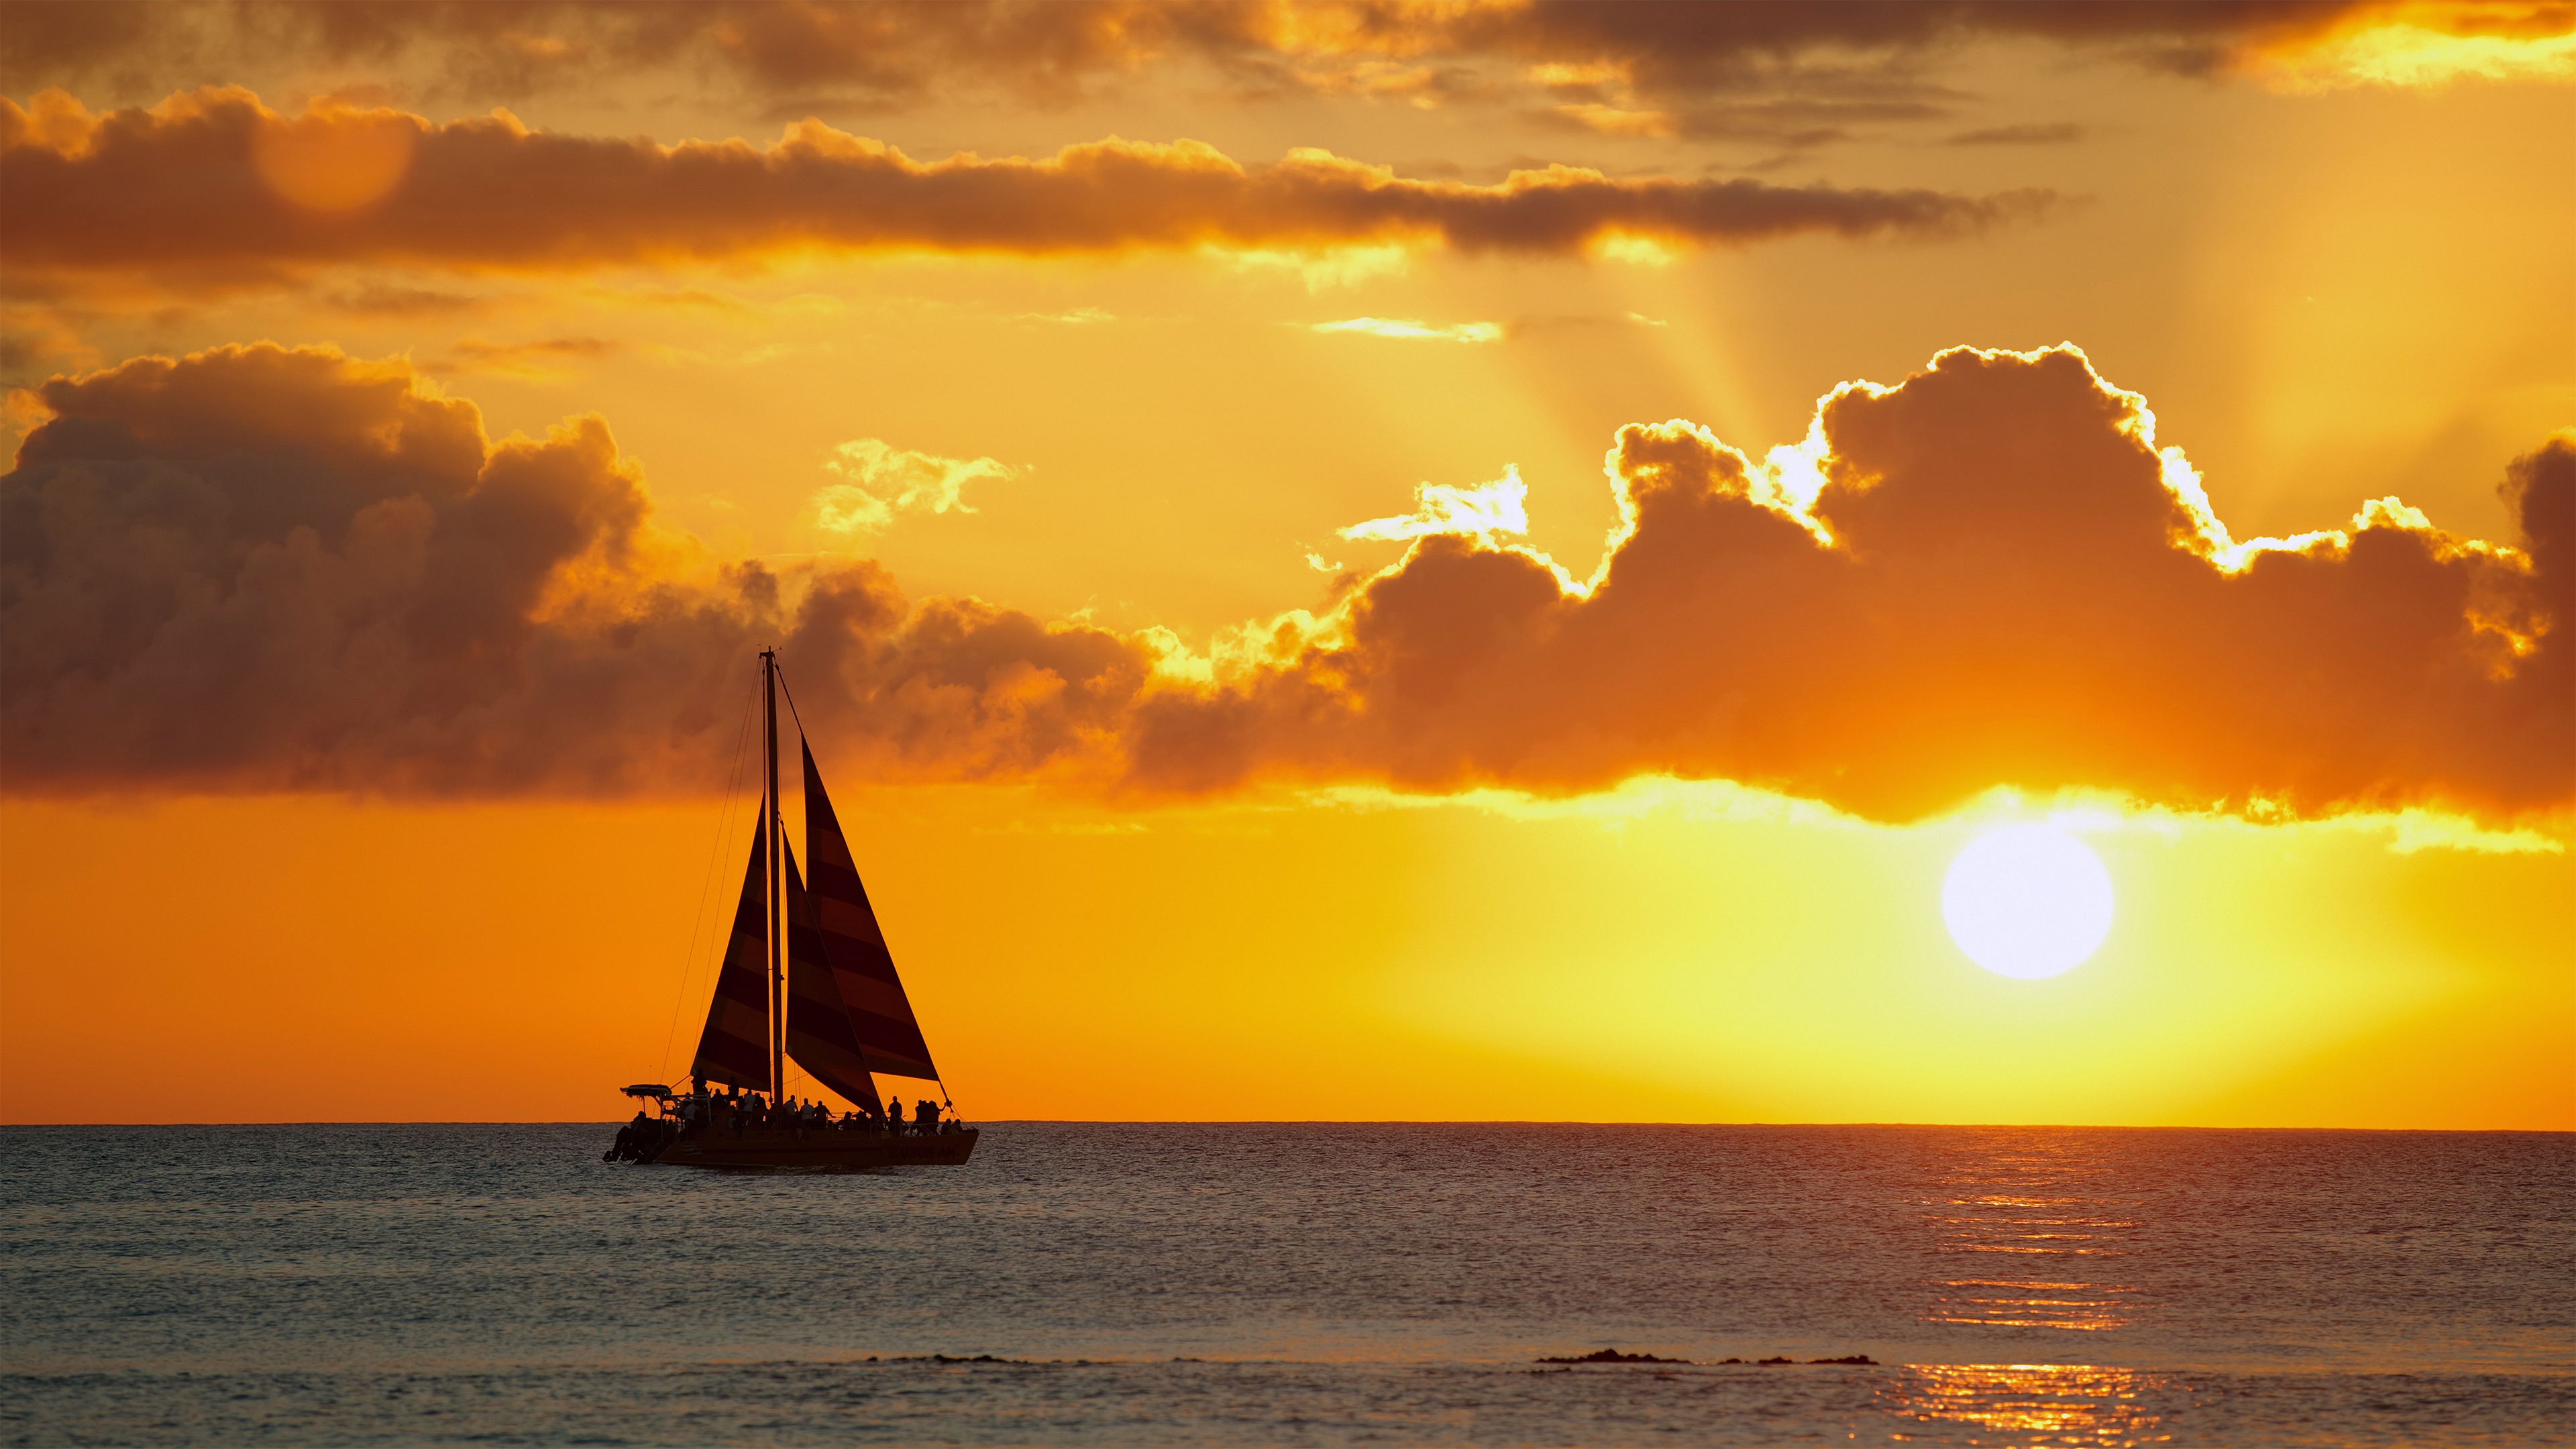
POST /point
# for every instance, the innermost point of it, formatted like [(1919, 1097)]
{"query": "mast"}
[(770, 824)]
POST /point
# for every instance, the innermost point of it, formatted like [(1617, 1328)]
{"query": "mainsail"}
[(734, 1049), (862, 969)]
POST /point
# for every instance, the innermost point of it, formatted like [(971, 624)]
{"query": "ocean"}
[(1294, 1284)]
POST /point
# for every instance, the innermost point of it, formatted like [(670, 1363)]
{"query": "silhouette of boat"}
[(807, 978)]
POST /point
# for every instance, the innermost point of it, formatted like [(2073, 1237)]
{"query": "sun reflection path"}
[(2027, 1404), (2033, 1243)]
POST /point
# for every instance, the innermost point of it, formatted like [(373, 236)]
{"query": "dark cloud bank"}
[(262, 569), (1786, 75), (889, 52), (179, 192)]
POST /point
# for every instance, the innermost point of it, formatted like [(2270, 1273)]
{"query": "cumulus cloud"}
[(1989, 575), (189, 193), (257, 568), (1404, 329), (880, 481)]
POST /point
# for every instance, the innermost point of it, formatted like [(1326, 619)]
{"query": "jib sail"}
[(880, 1017)]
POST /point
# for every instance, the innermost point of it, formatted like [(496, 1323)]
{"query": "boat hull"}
[(719, 1147)]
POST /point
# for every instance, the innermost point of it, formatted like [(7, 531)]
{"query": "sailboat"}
[(806, 977)]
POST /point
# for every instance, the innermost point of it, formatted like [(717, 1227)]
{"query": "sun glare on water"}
[(2027, 901)]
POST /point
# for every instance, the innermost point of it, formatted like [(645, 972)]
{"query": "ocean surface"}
[(1293, 1285)]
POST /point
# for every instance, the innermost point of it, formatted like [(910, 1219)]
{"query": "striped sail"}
[(820, 1035), (880, 1015), (734, 1049)]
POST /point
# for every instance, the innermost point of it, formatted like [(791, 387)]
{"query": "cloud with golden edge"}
[(1411, 331), (179, 194), (880, 481), (1481, 511), (257, 568), (2422, 47), (1990, 575)]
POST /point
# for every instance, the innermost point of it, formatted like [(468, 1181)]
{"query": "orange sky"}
[(404, 484)]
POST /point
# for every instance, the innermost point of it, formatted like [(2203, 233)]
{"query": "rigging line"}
[(724, 837), (779, 672), (791, 706), (706, 883)]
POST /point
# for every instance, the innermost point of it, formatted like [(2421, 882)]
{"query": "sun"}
[(2027, 901)]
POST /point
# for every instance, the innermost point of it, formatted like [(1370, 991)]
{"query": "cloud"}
[(1990, 575), (545, 359), (1496, 507), (38, 340), (259, 569), (380, 300), (2427, 50), (2057, 134), (880, 481), (179, 194), (1798, 124), (1741, 69), (1423, 331)]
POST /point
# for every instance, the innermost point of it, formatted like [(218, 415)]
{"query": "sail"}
[(734, 1049), (879, 1014), (820, 1036)]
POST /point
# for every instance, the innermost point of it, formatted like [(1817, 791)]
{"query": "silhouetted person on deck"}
[(925, 1116), (894, 1114)]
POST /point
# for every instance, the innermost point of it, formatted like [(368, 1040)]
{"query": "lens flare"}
[(2027, 901), (335, 160)]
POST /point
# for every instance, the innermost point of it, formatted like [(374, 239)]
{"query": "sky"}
[(1342, 561)]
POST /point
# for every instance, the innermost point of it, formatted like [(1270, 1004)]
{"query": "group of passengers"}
[(744, 1111), (641, 1140)]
